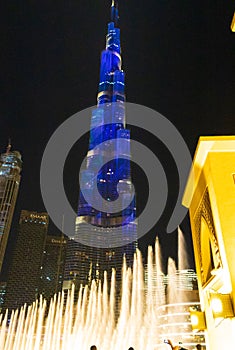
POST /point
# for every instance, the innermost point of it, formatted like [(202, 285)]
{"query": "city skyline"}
[(178, 60)]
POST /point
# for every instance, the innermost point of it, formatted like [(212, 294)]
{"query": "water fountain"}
[(68, 325)]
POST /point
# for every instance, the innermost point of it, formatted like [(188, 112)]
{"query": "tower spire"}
[(114, 12), (112, 85), (8, 146)]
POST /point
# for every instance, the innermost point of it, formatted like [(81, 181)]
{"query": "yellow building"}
[(210, 197)]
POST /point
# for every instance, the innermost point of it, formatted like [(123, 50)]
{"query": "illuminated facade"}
[(10, 168), (25, 270), (87, 262), (210, 197)]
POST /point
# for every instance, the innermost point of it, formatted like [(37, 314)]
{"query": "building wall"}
[(25, 269), (3, 286), (212, 216), (52, 268)]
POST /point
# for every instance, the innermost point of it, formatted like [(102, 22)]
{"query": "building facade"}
[(107, 235), (3, 287), (25, 270), (10, 168), (209, 195), (52, 268)]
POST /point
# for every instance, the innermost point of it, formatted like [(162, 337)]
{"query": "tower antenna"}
[(114, 12), (8, 146)]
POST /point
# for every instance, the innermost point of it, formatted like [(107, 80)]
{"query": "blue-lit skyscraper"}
[(109, 139)]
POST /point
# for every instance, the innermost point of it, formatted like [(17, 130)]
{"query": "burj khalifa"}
[(109, 152)]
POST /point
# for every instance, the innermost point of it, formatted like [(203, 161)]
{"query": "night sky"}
[(179, 60)]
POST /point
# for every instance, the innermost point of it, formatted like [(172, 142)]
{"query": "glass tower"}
[(109, 139), (10, 168)]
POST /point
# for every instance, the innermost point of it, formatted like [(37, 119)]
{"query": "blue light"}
[(107, 124)]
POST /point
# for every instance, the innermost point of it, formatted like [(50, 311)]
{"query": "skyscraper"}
[(10, 168), (85, 262), (25, 270), (52, 268)]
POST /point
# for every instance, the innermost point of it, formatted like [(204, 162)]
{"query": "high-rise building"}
[(25, 270), (85, 262), (10, 168), (52, 269), (3, 286), (76, 259)]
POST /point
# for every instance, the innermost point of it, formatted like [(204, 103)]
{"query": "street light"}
[(221, 305), (198, 320)]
